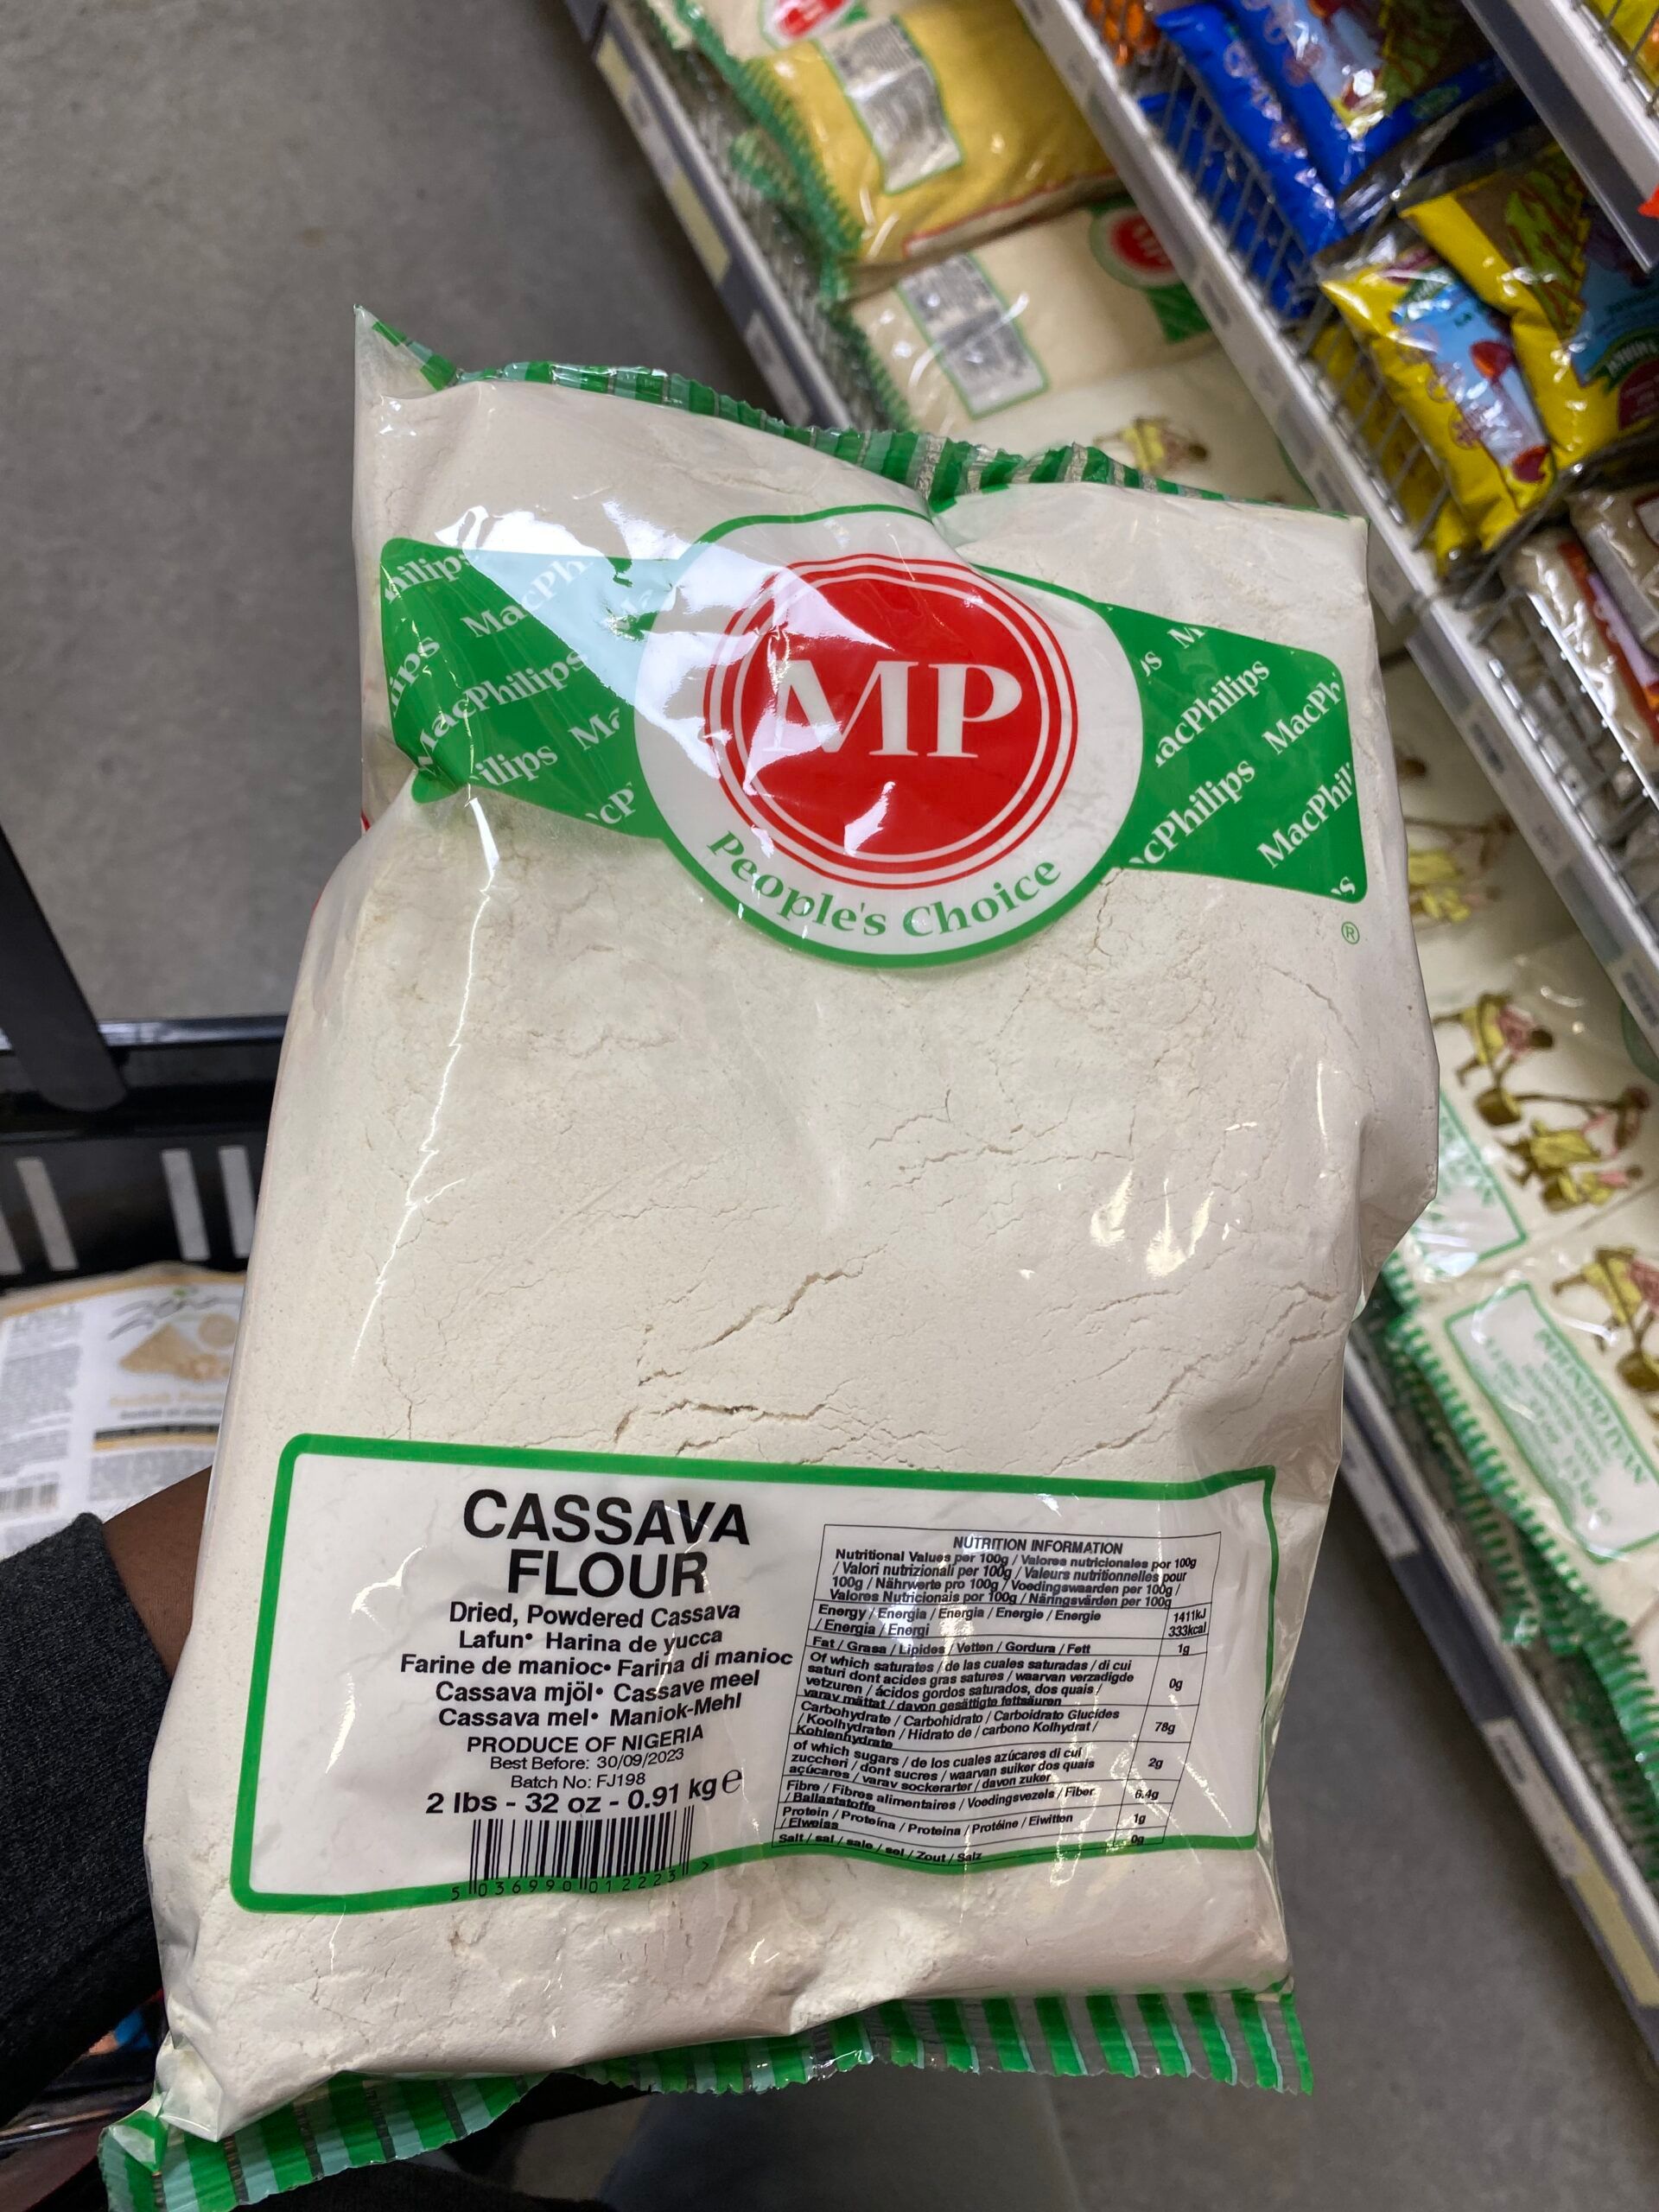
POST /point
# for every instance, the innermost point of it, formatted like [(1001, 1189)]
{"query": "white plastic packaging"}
[(827, 1145)]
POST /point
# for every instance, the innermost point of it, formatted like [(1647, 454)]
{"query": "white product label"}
[(897, 99), (975, 338), (480, 1672), (1470, 1218), (109, 1393), (1563, 1417)]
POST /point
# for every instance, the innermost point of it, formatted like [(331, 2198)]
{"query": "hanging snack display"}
[(1530, 241), (803, 838), (1590, 632), (1449, 363), (1620, 530), (1359, 80), (1222, 64), (920, 133)]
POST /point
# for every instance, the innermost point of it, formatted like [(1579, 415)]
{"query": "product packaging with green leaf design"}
[(832, 1132)]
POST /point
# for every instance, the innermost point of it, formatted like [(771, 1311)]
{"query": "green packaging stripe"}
[(1572, 1684), (1517, 1576), (1605, 1640), (1230, 2036), (352, 2121), (941, 469)]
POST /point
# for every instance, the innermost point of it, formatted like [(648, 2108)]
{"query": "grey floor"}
[(194, 193)]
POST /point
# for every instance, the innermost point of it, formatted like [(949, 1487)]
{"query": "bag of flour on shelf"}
[(1034, 314), (1547, 1376), (1546, 1116), (1074, 332), (911, 135), (829, 1138)]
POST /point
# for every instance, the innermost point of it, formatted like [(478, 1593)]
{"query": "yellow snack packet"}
[(1530, 241), (914, 135), (1634, 24), (1416, 483), (1449, 364)]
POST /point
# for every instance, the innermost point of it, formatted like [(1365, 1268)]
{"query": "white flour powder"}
[(569, 1160)]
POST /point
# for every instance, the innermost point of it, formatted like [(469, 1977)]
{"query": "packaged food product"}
[(848, 1099), (1127, 27), (1417, 484), (1034, 313), (110, 1386), (735, 31), (1076, 330), (1194, 423), (1545, 1120), (921, 132), (1359, 77), (1222, 63), (1477, 896), (1583, 620), (1530, 241), (1620, 531), (1546, 1375), (1449, 362)]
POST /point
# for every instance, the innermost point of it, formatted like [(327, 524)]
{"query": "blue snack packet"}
[(1359, 76), (1258, 234), (1223, 65)]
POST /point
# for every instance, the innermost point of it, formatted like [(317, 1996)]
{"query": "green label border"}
[(751, 1471), (1563, 1502)]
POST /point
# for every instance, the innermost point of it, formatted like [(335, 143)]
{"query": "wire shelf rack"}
[(686, 121)]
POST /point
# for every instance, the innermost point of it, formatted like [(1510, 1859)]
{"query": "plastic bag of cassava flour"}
[(830, 1136)]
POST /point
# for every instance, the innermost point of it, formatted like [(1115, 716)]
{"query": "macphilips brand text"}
[(653, 1547)]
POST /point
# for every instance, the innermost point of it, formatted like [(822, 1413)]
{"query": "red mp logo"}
[(891, 722)]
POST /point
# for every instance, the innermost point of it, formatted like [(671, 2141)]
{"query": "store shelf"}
[(1532, 766), (1587, 89), (683, 118), (1618, 1909), (762, 277)]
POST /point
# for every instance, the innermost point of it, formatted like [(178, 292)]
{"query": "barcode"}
[(581, 1851), (29, 1497)]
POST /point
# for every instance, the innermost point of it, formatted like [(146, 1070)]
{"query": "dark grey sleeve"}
[(81, 1693)]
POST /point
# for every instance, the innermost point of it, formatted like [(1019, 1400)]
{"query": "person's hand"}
[(153, 1546)]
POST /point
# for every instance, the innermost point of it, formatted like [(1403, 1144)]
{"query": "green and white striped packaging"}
[(1233, 2038)]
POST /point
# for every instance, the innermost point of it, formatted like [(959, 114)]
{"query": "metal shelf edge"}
[(799, 384), (1618, 1909), (1565, 66)]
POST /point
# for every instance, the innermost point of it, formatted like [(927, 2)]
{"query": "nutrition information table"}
[(968, 1690)]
